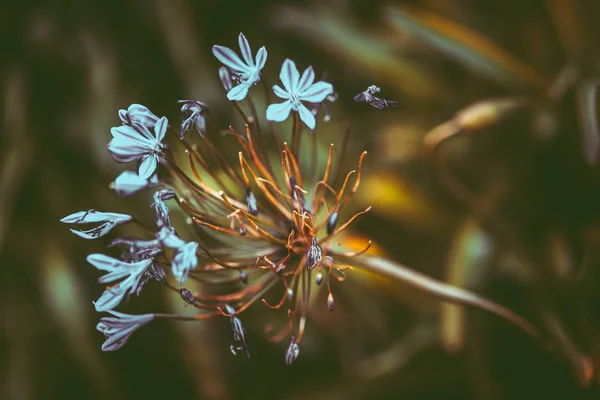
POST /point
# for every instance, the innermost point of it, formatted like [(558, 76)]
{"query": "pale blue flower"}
[(129, 274), (297, 89), (135, 142), (193, 109), (184, 258), (106, 221), (160, 207), (129, 182), (138, 114), (117, 329), (247, 72)]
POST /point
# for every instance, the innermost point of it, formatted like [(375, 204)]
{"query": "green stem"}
[(441, 290)]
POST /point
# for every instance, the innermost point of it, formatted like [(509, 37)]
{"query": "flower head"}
[(129, 182), (247, 72), (135, 142), (297, 89), (117, 329), (130, 274), (107, 221), (138, 114), (368, 96), (192, 110)]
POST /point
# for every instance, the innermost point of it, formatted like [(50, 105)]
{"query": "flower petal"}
[(279, 92), (229, 58), (148, 166), (239, 92), (279, 112), (289, 75), (161, 128), (123, 151), (245, 49), (261, 58), (307, 79), (307, 116), (317, 92), (110, 298)]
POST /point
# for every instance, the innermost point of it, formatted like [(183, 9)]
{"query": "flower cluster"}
[(254, 229)]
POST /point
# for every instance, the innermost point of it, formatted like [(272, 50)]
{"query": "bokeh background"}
[(507, 206)]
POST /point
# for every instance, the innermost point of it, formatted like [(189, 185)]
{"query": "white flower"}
[(297, 89), (138, 114), (136, 142), (247, 71), (129, 182), (117, 269), (107, 222), (117, 329)]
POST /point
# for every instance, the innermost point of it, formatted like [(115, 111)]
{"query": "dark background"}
[(529, 240)]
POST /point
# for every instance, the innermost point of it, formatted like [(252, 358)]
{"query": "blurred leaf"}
[(364, 52), (69, 309), (397, 198), (466, 46), (441, 290), (569, 25), (588, 119), (467, 261)]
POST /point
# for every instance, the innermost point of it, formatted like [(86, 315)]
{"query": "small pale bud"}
[(319, 278), (244, 277), (292, 351), (330, 302), (332, 222)]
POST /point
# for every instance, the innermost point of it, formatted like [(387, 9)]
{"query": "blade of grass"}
[(465, 46)]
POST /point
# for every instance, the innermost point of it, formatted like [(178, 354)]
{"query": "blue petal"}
[(279, 112), (307, 116), (279, 92), (317, 92), (229, 58), (110, 298), (261, 58), (148, 166), (289, 75), (161, 128), (245, 49), (125, 150), (307, 79), (239, 92)]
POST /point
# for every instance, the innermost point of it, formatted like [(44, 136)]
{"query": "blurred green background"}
[(508, 206)]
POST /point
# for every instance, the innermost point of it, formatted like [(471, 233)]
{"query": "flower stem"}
[(441, 290), (296, 130)]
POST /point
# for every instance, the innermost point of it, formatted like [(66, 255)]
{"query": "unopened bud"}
[(332, 222), (319, 278), (330, 302), (244, 276), (243, 231), (187, 296), (251, 202)]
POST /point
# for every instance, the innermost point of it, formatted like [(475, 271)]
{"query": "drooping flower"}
[(239, 334), (117, 329), (107, 221), (129, 182), (130, 275), (297, 89), (193, 117), (368, 96), (135, 142), (184, 258), (247, 72), (138, 114)]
